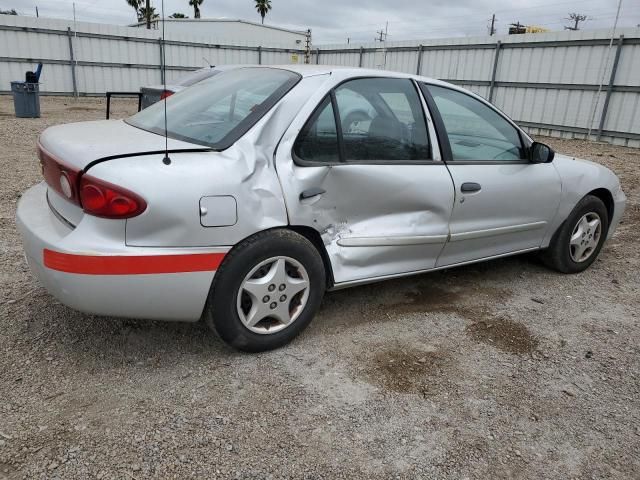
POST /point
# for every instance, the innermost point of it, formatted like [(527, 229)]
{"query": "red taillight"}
[(165, 94), (59, 176), (106, 200), (96, 197)]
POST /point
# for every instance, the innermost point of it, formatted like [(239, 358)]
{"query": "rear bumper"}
[(90, 268)]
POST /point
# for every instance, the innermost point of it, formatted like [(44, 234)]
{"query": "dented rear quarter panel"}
[(244, 171)]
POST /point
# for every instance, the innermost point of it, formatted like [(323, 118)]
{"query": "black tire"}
[(558, 255), (221, 311)]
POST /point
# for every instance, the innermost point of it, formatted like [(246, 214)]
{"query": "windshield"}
[(218, 111)]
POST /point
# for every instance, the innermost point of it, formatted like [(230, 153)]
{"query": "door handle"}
[(470, 187), (312, 192)]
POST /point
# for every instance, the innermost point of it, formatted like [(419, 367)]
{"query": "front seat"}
[(386, 133)]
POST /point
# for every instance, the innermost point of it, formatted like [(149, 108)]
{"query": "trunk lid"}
[(72, 147), (79, 144)]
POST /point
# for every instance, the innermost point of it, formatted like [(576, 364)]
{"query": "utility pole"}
[(307, 49), (576, 18), (37, 14), (492, 30), (382, 34), (386, 34), (382, 38), (148, 15)]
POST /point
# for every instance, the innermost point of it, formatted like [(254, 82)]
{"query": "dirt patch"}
[(504, 334), (426, 299), (90, 397), (84, 109), (629, 223), (432, 298), (408, 370)]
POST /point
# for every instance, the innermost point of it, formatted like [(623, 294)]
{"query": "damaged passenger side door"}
[(364, 172)]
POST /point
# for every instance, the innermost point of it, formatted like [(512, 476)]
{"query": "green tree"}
[(178, 15), (263, 7), (196, 7), (142, 13), (9, 12), (136, 4)]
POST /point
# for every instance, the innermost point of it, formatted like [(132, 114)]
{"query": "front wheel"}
[(267, 290), (577, 243)]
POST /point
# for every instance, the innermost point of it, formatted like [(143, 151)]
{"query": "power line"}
[(473, 27)]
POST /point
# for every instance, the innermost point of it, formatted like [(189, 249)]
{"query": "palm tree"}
[(178, 15), (135, 4), (196, 7), (263, 7), (142, 13)]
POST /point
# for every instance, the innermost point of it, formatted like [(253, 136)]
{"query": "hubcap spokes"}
[(585, 237), (273, 295)]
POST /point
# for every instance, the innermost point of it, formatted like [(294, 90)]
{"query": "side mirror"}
[(541, 153)]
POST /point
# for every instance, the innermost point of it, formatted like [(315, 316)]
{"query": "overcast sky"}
[(333, 21)]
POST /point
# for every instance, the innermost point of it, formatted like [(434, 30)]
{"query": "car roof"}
[(346, 72)]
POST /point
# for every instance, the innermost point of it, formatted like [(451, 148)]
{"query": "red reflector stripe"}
[(130, 264)]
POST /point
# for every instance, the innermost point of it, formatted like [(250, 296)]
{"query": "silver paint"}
[(375, 221)]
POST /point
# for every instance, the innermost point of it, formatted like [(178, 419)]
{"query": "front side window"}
[(476, 132), (378, 120), (218, 111)]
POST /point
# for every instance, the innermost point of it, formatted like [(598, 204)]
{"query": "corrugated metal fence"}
[(548, 83), (90, 59)]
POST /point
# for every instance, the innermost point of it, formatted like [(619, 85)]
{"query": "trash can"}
[(26, 99)]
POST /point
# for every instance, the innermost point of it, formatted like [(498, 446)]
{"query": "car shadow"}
[(96, 343)]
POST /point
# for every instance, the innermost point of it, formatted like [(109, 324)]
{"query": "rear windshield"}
[(218, 111)]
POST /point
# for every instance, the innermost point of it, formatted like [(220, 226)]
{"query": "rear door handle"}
[(470, 187), (312, 192)]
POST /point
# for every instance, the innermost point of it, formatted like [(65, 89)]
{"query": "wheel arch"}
[(307, 232), (314, 237), (607, 198)]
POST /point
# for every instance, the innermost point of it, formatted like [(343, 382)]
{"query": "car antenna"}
[(207, 62), (166, 160)]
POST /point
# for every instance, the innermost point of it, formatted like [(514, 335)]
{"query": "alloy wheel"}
[(273, 295), (585, 237)]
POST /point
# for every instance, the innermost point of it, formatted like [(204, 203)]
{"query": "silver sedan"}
[(263, 187)]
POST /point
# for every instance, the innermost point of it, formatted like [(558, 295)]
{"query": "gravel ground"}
[(498, 370)]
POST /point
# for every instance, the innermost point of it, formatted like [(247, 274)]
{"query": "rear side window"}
[(218, 111), (382, 119), (318, 141), (378, 120)]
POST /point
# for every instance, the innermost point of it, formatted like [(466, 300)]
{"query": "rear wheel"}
[(578, 242), (267, 290)]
